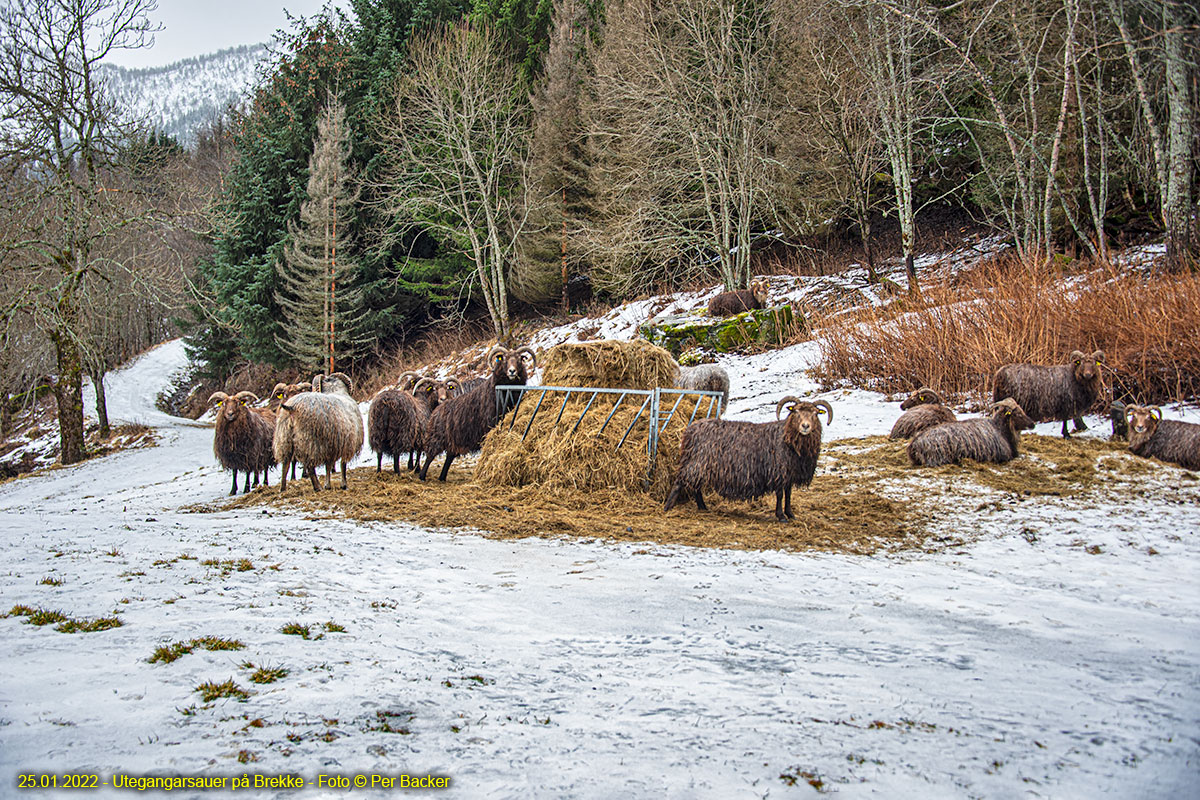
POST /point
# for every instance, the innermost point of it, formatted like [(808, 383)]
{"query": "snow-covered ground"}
[(1020, 664)]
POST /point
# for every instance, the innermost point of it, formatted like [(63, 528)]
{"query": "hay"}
[(609, 364)]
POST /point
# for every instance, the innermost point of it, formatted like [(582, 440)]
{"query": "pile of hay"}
[(610, 363), (552, 457)]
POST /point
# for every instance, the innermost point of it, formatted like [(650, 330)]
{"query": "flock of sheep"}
[(320, 423)]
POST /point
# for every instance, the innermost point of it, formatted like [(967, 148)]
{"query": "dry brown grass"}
[(954, 337)]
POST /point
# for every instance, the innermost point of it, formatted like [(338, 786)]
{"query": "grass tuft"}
[(296, 629), (210, 691), (51, 581), (61, 622), (170, 652), (266, 674)]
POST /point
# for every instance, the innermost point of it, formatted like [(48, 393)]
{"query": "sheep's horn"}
[(241, 395), (318, 381), (453, 385), (828, 409), (498, 349), (1098, 355), (1128, 412), (344, 378), (215, 396), (1077, 355), (280, 388), (780, 404), (933, 396), (409, 376), (304, 387), (529, 351), (1156, 412), (417, 386)]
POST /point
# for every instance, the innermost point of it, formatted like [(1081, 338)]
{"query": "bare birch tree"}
[(455, 140)]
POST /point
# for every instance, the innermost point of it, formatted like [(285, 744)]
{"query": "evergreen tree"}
[(321, 307)]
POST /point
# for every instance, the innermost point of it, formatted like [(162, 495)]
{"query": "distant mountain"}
[(181, 97)]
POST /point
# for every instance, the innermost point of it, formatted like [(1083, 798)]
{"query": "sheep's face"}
[(920, 397), (804, 419), (230, 408), (1087, 367), (433, 393), (759, 290), (508, 366), (1013, 414), (1143, 420)]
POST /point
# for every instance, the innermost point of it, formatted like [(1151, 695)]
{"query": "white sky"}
[(196, 27)]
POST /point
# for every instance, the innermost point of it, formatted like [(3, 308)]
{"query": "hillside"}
[(182, 97)]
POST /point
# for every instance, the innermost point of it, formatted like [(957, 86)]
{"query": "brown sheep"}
[(1050, 393), (735, 302), (923, 409), (745, 460), (242, 440), (992, 438), (1151, 436), (457, 427)]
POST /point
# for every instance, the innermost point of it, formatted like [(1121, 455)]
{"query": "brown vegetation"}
[(955, 336)]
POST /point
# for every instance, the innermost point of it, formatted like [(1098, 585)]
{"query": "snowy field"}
[(1019, 665)]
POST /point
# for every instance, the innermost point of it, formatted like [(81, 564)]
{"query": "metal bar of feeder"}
[(667, 421), (645, 403), (564, 407), (533, 416), (610, 414), (520, 390), (585, 410)]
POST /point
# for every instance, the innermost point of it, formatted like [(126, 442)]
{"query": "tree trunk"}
[(5, 414), (97, 377), (1177, 209), (68, 395)]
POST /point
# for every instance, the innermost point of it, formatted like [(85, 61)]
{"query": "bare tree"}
[(682, 122), (56, 124), (456, 142), (323, 309)]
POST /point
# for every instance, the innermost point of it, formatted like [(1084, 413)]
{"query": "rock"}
[(770, 326)]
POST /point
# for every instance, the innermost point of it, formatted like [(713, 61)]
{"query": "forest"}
[(416, 168)]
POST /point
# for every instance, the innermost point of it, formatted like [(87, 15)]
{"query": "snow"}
[(1018, 664)]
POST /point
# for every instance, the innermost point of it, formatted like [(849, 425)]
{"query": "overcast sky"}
[(195, 27)]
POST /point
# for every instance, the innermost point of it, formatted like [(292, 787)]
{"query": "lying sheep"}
[(990, 438), (242, 440), (457, 427), (1151, 436), (745, 460), (323, 426), (735, 302), (922, 409), (705, 378), (1049, 393)]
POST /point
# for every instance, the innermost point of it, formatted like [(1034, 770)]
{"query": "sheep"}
[(991, 438), (1120, 425), (923, 409), (397, 419), (429, 394), (243, 438), (281, 393), (705, 378), (457, 427), (1050, 393), (739, 300), (319, 427), (745, 460), (1151, 436)]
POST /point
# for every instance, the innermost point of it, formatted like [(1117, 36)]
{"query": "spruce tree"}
[(322, 308)]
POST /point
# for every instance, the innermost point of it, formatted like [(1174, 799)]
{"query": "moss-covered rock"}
[(768, 326)]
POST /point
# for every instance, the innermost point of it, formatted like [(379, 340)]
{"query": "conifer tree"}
[(321, 307)]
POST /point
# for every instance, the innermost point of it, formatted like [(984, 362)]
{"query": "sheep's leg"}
[(787, 503), (255, 479), (344, 485), (673, 497), (779, 513), (1065, 434), (294, 471), (428, 463), (446, 467), (266, 477), (330, 468), (234, 489), (699, 495), (283, 474), (312, 474), (379, 461), (411, 454), (1080, 425), (246, 483), (396, 463)]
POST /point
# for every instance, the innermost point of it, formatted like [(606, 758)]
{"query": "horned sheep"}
[(1151, 436), (397, 419), (1050, 393), (922, 409), (735, 302), (323, 426), (457, 427), (745, 460), (242, 440), (705, 378), (991, 438)]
